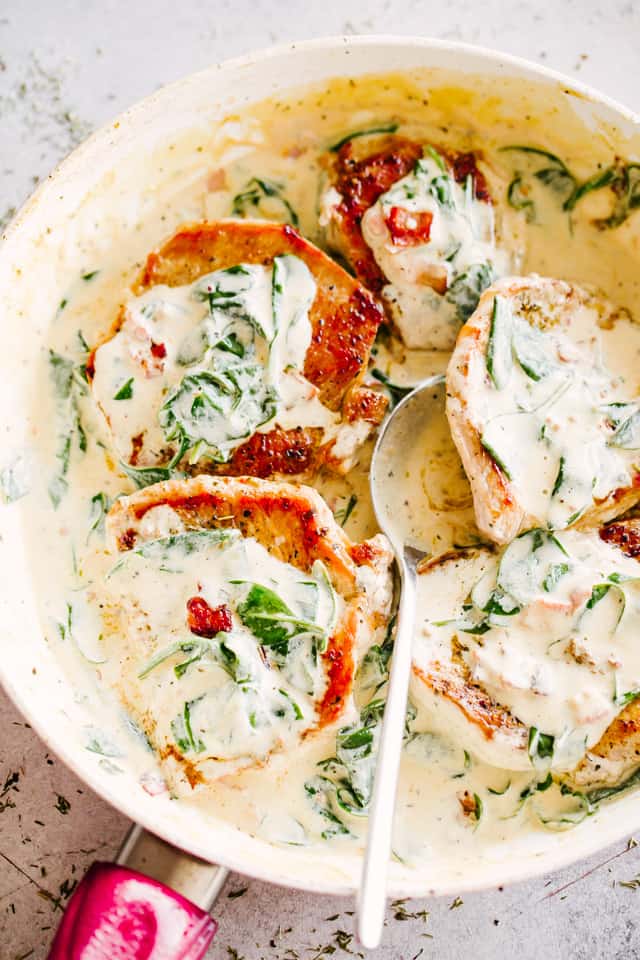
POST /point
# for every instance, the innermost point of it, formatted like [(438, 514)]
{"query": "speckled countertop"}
[(66, 67)]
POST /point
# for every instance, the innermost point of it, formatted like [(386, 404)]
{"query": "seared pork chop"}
[(242, 351), (237, 611), (548, 433), (416, 224), (530, 655)]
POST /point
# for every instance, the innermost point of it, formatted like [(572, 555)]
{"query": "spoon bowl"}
[(391, 483)]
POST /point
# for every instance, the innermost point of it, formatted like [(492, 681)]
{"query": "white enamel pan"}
[(65, 211)]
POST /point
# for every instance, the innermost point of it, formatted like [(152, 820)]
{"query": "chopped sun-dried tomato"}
[(206, 621), (465, 165), (409, 227), (158, 350)]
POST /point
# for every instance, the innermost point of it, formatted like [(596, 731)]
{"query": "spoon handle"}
[(373, 886)]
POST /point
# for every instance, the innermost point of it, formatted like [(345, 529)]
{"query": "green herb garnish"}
[(467, 287), (254, 194), (496, 458), (499, 358), (540, 745), (369, 132), (69, 384), (100, 504), (182, 731), (519, 199), (272, 621), (555, 573), (14, 481), (125, 392)]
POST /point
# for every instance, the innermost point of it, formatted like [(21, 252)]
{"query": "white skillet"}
[(34, 269)]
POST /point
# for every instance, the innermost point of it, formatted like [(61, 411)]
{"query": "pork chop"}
[(529, 654), (543, 410), (416, 224), (241, 351), (236, 614)]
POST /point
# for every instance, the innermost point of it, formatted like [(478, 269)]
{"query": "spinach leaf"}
[(623, 179), (603, 793), (343, 514), (518, 198), (627, 435), (475, 629), (626, 191), (623, 699), (501, 604), (195, 649), (68, 383), (124, 392), (555, 573), (499, 793), (499, 357), (162, 549), (14, 481), (553, 173), (180, 646), (441, 189), (600, 179), (530, 346), (145, 476), (182, 730), (100, 505), (269, 618), (369, 132), (467, 287), (319, 790), (292, 705), (496, 458), (209, 412), (254, 194), (598, 593), (352, 769), (540, 745), (356, 744), (373, 671), (231, 343), (560, 477)]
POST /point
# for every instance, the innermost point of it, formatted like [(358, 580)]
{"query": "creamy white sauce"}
[(434, 284)]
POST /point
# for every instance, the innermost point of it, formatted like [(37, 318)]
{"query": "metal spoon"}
[(385, 482)]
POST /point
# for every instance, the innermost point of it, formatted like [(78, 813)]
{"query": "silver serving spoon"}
[(386, 478)]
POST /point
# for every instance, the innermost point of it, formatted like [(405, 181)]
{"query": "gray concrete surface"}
[(67, 66)]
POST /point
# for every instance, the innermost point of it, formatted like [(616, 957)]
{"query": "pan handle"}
[(153, 902), (195, 879)]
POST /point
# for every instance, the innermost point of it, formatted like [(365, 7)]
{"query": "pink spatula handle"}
[(120, 914)]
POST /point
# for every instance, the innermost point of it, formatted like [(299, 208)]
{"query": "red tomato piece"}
[(409, 227), (206, 621)]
